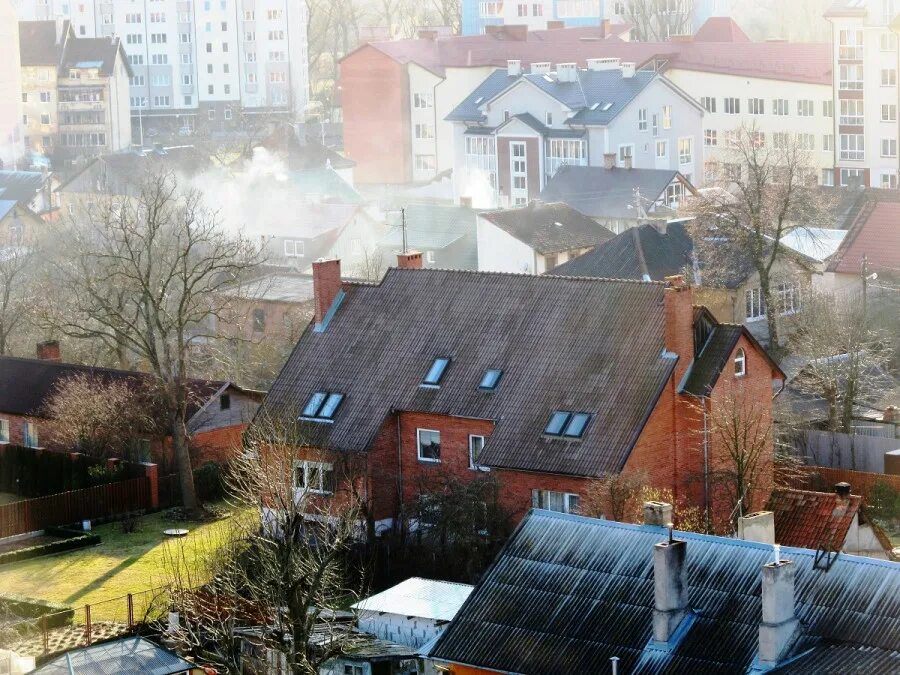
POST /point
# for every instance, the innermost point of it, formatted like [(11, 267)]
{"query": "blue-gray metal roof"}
[(129, 655), (567, 593), (598, 96)]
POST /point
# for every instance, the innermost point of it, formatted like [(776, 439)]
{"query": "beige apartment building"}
[(74, 92), (10, 87)]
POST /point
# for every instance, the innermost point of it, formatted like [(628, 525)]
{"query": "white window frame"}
[(642, 119), (472, 464), (853, 147), (620, 156), (481, 155), (664, 144), (888, 147), (732, 105), (312, 469), (291, 248), (540, 499), (756, 105), (710, 138), (888, 112), (667, 117), (30, 435), (419, 456), (564, 151), (888, 77), (851, 76), (740, 363), (781, 107), (853, 112), (686, 157), (754, 305)]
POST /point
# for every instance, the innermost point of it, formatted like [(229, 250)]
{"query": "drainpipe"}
[(706, 463), (399, 469)]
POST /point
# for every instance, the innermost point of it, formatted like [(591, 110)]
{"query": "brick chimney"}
[(679, 309), (427, 34), (49, 351), (779, 626), (409, 261), (326, 285), (609, 160), (555, 24), (670, 587)]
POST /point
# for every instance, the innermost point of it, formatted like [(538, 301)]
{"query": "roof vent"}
[(842, 489), (566, 72), (603, 64)]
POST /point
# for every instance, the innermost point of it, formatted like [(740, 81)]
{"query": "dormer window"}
[(490, 379), (436, 372), (567, 424), (740, 363), (322, 406)]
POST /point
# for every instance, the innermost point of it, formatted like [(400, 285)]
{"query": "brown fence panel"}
[(861, 482), (65, 508)]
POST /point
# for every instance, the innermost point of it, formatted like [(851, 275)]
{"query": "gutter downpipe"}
[(706, 463), (399, 473)]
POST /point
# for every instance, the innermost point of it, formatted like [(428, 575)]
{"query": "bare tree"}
[(658, 20), (846, 361), (16, 263), (98, 417), (285, 566), (761, 193), (142, 273), (448, 13)]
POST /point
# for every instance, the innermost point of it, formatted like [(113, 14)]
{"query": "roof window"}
[(490, 379), (436, 372), (322, 406), (605, 107), (567, 424)]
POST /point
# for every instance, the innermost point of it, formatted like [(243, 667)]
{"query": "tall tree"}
[(658, 20), (142, 272), (761, 193), (16, 263)]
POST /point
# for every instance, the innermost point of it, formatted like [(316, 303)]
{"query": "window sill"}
[(316, 420), (479, 468), (429, 386), (426, 460)]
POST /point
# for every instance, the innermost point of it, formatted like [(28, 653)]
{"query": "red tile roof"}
[(808, 519), (875, 234), (796, 62), (720, 29)]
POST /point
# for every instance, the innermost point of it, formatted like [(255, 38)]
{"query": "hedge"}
[(74, 539), (28, 608)]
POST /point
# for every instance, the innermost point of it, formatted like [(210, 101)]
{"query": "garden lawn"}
[(120, 564)]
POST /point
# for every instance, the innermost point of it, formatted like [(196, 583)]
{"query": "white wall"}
[(11, 147), (700, 84), (499, 251)]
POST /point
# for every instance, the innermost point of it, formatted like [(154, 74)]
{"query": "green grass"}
[(121, 564)]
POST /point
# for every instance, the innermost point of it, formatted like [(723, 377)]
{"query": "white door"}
[(518, 174)]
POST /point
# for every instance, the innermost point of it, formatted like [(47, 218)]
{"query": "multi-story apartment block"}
[(10, 88), (74, 91), (212, 58), (515, 131), (477, 15), (865, 92)]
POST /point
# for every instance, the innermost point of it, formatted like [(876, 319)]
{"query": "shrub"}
[(74, 539), (884, 503), (208, 481), (17, 607)]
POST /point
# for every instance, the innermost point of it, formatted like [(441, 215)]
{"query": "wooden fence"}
[(861, 482), (65, 508)]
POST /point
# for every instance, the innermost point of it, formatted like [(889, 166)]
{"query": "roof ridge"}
[(530, 276)]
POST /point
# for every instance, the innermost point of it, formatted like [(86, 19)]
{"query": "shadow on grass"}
[(102, 579)]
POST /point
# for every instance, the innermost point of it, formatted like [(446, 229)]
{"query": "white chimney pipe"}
[(779, 626), (628, 70), (566, 72), (541, 68), (513, 67), (670, 588)]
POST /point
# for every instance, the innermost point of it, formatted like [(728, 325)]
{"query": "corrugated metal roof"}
[(567, 593), (418, 597), (129, 655)]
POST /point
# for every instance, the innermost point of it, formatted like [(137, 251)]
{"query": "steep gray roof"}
[(587, 95), (563, 344), (37, 43), (567, 593), (550, 228), (100, 53), (641, 253), (705, 369), (605, 193), (20, 186)]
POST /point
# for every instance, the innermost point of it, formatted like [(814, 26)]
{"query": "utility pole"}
[(864, 264), (403, 225)]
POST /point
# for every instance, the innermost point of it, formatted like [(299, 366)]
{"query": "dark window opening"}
[(225, 402)]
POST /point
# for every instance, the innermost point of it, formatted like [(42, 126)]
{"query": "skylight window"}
[(548, 78), (322, 406), (479, 100), (567, 424), (490, 379), (436, 372), (594, 106), (605, 107)]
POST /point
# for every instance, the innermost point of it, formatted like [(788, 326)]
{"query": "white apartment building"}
[(866, 92), (215, 58), (11, 147), (780, 111)]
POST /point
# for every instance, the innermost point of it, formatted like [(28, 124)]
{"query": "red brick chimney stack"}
[(410, 261), (679, 308), (49, 351), (326, 285)]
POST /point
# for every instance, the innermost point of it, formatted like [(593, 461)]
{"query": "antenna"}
[(403, 225)]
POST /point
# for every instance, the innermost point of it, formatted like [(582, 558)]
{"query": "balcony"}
[(83, 128), (75, 106)]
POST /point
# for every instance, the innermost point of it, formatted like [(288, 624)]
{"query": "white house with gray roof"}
[(516, 129)]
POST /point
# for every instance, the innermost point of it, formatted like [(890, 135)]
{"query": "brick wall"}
[(375, 103), (216, 445), (17, 431)]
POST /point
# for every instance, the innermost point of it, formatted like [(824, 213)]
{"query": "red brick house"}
[(218, 411), (548, 382)]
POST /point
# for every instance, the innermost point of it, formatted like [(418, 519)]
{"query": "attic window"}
[(605, 107), (594, 106), (479, 100), (436, 372), (322, 406), (567, 424), (740, 363), (548, 78), (490, 379)]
